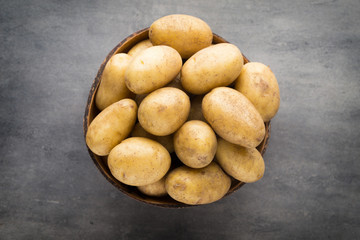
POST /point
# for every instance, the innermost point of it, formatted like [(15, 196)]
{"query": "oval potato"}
[(163, 111), (197, 186), (233, 117), (195, 144), (243, 164), (138, 161), (166, 141), (214, 66), (186, 34), (258, 83), (156, 189), (152, 68), (111, 126), (139, 47), (112, 86)]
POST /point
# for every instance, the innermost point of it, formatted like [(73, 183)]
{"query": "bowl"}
[(101, 162)]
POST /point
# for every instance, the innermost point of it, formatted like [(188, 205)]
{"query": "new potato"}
[(214, 66), (197, 186), (111, 126), (258, 83), (139, 47), (138, 161), (233, 117), (152, 68)]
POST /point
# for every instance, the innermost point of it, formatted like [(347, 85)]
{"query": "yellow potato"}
[(214, 66), (186, 34), (197, 186), (163, 111), (195, 109), (156, 189), (139, 47), (139, 161), (112, 86), (152, 68), (243, 164), (111, 126), (195, 144), (233, 117), (166, 141), (258, 83)]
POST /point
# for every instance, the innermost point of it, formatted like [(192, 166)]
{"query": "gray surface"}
[(50, 189)]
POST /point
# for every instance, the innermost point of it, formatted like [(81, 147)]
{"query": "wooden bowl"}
[(101, 162)]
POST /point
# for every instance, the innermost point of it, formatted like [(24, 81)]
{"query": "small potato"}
[(163, 111), (197, 186), (112, 86), (195, 144), (166, 141), (111, 126), (215, 66), (152, 68), (258, 83), (195, 109), (139, 47), (156, 189), (186, 34), (139, 161), (243, 164), (233, 117)]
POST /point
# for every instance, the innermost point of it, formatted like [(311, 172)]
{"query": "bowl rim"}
[(91, 102)]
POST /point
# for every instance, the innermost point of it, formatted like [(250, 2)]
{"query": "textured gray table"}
[(49, 187)]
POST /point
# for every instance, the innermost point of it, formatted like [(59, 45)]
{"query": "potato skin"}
[(197, 186), (139, 47), (195, 144), (233, 117), (163, 111), (152, 68), (112, 86), (186, 34), (215, 66), (156, 189), (111, 126), (243, 164), (166, 141), (138, 161), (258, 83)]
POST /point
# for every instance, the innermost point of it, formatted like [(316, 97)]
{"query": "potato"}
[(195, 144), (152, 68), (195, 109), (233, 117), (186, 34), (197, 186), (258, 83), (243, 164), (156, 189), (111, 126), (214, 66), (139, 161), (163, 111), (112, 86), (139, 47), (166, 141)]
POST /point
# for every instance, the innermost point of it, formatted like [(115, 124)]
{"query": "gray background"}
[(50, 52)]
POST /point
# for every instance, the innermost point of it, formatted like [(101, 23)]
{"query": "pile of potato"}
[(178, 92)]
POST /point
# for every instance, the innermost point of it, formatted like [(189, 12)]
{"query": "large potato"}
[(111, 126), (166, 141), (243, 164), (163, 111), (197, 186), (258, 83), (156, 189), (112, 86), (139, 161), (186, 34), (139, 47), (214, 66), (195, 144), (233, 117), (152, 68)]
